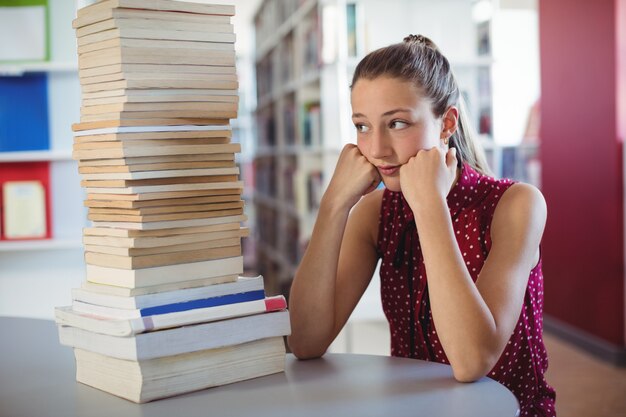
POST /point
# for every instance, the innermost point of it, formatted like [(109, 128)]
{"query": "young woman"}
[(461, 279)]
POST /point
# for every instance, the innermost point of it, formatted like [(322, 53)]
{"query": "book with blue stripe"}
[(119, 313), (66, 316)]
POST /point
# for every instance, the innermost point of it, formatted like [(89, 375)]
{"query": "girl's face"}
[(393, 122)]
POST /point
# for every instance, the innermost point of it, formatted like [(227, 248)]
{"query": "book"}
[(146, 122), (156, 33), (84, 143), (146, 116), (168, 274), (70, 316), (209, 307), (224, 82), (147, 380), (163, 259), (14, 17), (134, 23), (24, 210), (170, 98), (180, 340), (205, 107), (112, 169), (163, 56), (146, 197), (126, 43), (240, 285), (157, 189), (168, 209), (138, 252), (162, 174), (80, 131), (170, 224), (133, 13), (233, 225), (158, 159), (24, 104), (159, 94), (162, 5), (228, 198), (143, 151), (157, 181), (155, 138), (154, 289)]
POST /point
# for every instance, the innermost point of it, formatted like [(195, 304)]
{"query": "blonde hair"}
[(417, 59)]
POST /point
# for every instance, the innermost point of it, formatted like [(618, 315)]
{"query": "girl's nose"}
[(380, 146)]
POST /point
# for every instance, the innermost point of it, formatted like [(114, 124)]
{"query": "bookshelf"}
[(289, 161), (55, 108), (42, 270)]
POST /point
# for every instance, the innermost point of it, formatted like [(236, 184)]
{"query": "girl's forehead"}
[(386, 92)]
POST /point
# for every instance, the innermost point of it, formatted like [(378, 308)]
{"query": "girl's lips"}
[(388, 170)]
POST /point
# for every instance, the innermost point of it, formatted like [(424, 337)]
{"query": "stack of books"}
[(163, 310)]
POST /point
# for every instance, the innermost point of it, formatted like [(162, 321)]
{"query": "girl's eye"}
[(361, 128), (398, 124)]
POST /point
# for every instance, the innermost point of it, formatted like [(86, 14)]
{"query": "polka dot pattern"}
[(404, 289)]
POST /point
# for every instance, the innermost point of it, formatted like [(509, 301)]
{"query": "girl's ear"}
[(450, 121)]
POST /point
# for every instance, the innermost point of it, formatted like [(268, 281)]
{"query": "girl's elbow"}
[(472, 370), (302, 350)]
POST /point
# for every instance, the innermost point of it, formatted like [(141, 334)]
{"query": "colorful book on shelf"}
[(179, 340), (236, 285), (25, 200), (24, 209), (148, 380), (123, 327), (24, 115)]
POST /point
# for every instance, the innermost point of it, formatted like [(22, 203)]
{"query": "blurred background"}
[(545, 83)]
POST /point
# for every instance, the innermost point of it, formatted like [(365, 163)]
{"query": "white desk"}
[(37, 380)]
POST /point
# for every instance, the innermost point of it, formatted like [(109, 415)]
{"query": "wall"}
[(582, 166)]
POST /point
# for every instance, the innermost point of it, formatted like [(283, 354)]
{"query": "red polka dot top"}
[(404, 288)]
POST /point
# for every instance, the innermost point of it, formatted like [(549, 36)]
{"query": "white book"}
[(179, 340), (171, 224), (69, 316), (170, 173), (133, 278), (154, 289), (164, 377), (136, 129), (242, 285)]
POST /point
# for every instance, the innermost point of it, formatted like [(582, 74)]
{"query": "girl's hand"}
[(354, 177), (428, 176)]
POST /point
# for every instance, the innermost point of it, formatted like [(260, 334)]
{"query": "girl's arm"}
[(474, 321), (340, 258)]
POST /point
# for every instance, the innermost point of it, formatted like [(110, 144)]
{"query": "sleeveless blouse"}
[(404, 288)]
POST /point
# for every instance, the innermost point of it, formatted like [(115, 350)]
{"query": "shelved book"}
[(163, 309)]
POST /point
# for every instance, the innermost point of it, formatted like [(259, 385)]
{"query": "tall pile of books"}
[(163, 309)]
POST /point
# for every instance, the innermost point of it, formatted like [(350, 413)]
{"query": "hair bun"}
[(419, 40)]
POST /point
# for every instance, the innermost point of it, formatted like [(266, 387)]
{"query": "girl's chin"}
[(392, 184)]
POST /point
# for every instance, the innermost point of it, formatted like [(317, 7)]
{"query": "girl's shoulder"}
[(521, 200)]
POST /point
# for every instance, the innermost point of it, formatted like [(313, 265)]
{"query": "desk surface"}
[(37, 379)]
